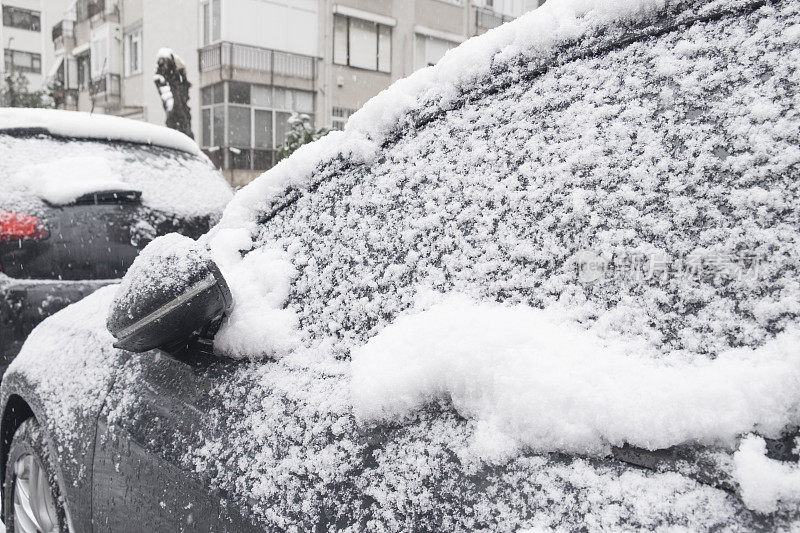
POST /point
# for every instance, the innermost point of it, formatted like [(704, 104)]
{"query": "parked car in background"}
[(389, 330), (80, 195)]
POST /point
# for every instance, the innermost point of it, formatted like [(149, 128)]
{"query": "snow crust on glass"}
[(80, 125), (542, 382), (33, 169), (64, 181), (682, 147), (766, 485)]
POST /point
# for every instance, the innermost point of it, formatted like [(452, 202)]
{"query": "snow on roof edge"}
[(538, 32), (96, 126)]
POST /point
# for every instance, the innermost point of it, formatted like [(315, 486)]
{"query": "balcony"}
[(62, 30), (105, 86), (95, 7), (486, 19), (228, 57)]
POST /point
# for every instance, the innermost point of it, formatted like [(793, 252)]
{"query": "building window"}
[(211, 18), (429, 50), (362, 44), (23, 61), (84, 72), (24, 19), (257, 122), (99, 56), (133, 52), (339, 116)]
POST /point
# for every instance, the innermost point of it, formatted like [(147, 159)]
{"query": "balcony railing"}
[(85, 9), (107, 85), (486, 19), (240, 56), (62, 29)]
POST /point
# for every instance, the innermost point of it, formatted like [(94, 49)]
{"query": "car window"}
[(676, 150), (172, 182)]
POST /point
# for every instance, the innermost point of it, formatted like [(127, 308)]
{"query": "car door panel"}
[(156, 412)]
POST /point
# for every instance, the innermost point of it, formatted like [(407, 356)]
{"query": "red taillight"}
[(17, 226)]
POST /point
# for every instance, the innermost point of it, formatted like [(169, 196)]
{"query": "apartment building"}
[(24, 41), (254, 63), (106, 50)]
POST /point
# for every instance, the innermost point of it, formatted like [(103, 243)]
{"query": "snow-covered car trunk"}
[(510, 271)]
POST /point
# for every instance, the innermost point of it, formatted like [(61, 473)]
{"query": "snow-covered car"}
[(80, 195), (550, 282)]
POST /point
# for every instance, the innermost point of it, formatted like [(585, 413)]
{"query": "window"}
[(99, 56), (213, 94), (339, 117), (84, 74), (24, 19), (211, 15), (429, 50), (133, 52), (219, 125), (262, 129), (239, 128), (362, 44), (23, 61), (257, 121), (238, 92)]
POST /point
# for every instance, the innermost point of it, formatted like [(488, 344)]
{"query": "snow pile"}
[(258, 325), (765, 485), (64, 181), (80, 125), (551, 385), (164, 92)]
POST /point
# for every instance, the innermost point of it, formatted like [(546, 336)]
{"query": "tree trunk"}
[(173, 88)]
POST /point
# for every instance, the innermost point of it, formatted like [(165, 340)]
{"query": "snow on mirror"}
[(173, 291)]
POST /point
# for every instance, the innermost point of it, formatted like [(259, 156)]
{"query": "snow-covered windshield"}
[(57, 170)]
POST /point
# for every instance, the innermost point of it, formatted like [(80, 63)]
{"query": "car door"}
[(157, 410)]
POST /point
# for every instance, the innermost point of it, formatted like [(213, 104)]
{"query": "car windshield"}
[(42, 170)]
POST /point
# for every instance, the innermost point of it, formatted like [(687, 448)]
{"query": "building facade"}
[(106, 52), (254, 63), (24, 38)]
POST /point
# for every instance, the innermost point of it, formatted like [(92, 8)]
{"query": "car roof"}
[(80, 125)]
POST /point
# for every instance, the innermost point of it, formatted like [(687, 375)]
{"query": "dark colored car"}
[(663, 130), (79, 197)]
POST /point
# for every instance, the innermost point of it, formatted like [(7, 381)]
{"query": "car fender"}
[(62, 377)]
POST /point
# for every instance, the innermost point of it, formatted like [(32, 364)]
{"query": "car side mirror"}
[(172, 292)]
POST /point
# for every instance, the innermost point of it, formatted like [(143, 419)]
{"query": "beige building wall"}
[(38, 42)]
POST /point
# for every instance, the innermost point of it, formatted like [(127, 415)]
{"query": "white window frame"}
[(424, 34), (133, 41), (380, 23), (207, 20)]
